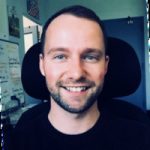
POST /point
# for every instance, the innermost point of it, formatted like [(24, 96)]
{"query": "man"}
[(74, 62)]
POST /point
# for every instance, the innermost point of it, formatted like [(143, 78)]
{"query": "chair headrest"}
[(124, 72), (32, 80), (122, 79)]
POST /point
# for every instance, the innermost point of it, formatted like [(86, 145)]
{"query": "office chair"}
[(122, 79)]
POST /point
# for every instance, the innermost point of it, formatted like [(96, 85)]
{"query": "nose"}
[(76, 69)]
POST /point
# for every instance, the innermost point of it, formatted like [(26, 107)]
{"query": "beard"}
[(60, 99)]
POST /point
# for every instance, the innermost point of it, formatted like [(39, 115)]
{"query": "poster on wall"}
[(10, 73), (15, 71), (13, 22), (33, 8), (4, 76)]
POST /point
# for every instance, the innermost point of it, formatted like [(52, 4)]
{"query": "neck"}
[(70, 123)]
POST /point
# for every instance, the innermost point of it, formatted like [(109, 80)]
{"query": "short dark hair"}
[(78, 11)]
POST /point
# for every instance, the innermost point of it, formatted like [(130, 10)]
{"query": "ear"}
[(106, 63), (41, 64)]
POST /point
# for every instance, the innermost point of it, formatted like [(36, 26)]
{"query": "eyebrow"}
[(87, 50), (93, 50), (52, 50)]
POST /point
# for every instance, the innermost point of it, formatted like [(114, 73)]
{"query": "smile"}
[(76, 89)]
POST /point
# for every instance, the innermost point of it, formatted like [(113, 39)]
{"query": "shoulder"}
[(127, 123), (128, 120), (29, 128), (31, 116), (127, 111)]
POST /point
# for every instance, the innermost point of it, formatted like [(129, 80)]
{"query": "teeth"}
[(76, 89)]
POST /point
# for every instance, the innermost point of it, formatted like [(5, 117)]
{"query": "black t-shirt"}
[(111, 132)]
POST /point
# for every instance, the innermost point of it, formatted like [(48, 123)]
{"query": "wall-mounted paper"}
[(10, 73)]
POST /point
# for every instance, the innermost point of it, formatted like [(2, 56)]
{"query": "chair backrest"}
[(122, 79), (32, 80), (124, 72)]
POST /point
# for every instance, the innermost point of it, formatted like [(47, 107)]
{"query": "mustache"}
[(81, 80)]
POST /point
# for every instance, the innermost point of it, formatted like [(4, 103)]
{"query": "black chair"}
[(122, 79)]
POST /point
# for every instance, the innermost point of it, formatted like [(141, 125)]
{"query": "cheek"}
[(102, 72), (53, 73), (50, 72), (101, 75), (98, 76)]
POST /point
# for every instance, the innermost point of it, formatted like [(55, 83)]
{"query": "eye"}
[(60, 57), (90, 58)]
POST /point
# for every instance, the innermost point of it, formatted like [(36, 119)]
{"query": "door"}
[(30, 36)]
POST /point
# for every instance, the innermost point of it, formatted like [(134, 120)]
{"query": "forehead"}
[(65, 20), (68, 30)]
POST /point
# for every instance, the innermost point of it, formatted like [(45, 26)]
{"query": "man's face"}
[(74, 62)]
